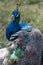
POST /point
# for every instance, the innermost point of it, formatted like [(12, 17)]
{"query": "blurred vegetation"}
[(31, 10)]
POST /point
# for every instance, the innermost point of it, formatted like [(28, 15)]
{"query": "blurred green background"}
[(31, 10)]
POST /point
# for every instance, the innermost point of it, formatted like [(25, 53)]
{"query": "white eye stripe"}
[(17, 15)]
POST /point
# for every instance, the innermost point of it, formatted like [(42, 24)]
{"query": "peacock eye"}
[(17, 15)]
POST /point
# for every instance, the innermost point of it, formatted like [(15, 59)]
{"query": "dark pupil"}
[(17, 15), (14, 38)]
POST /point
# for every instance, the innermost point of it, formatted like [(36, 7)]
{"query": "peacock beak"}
[(12, 17)]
